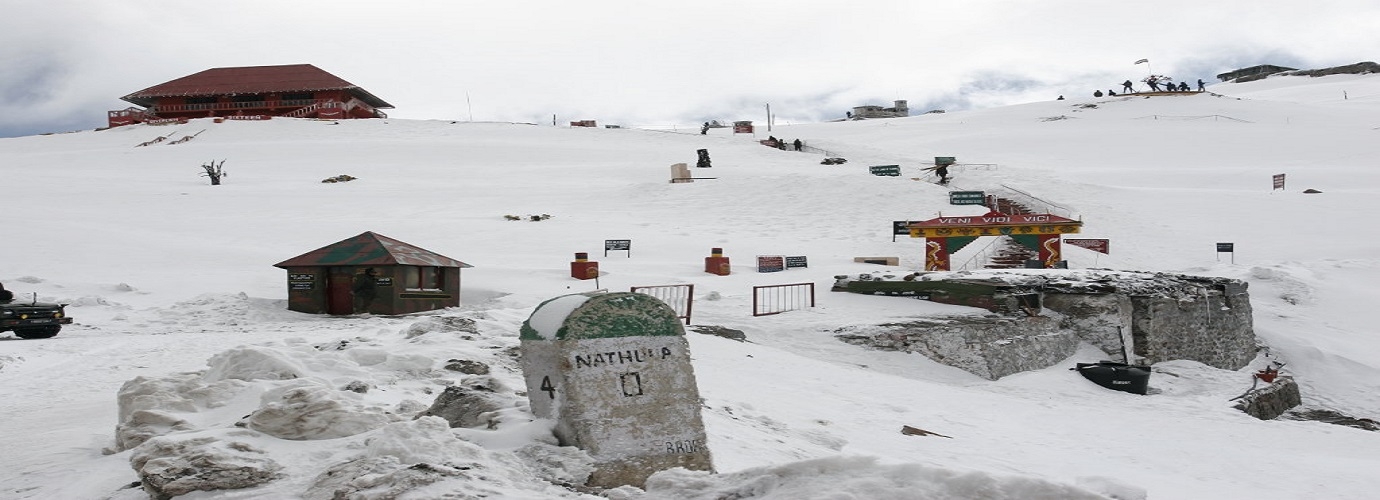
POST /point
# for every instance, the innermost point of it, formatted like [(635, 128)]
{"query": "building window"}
[(297, 96), (425, 278), (201, 100)]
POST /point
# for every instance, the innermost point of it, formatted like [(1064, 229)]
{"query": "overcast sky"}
[(656, 63)]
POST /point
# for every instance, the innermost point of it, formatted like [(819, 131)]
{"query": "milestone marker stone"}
[(613, 370)]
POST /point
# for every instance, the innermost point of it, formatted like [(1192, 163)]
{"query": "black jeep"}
[(32, 319)]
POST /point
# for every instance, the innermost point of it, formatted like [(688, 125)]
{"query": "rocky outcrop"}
[(169, 467), (465, 406), (1359, 68), (1272, 400), (988, 347), (1136, 318)]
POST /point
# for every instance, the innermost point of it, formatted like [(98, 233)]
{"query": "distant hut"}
[(371, 273), (293, 90)]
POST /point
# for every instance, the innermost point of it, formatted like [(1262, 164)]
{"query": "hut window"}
[(201, 100), (297, 96), (425, 278)]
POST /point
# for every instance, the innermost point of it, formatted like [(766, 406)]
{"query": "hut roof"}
[(370, 249), (253, 80)]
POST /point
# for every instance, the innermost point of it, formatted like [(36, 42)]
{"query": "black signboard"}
[(622, 245), (301, 281), (967, 198), (796, 261), (890, 170), (1226, 247), (383, 281), (1278, 181), (770, 263), (900, 227)]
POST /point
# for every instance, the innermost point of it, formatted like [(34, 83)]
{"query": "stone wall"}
[(1146, 317), (988, 347), (1214, 329), (1099, 320)]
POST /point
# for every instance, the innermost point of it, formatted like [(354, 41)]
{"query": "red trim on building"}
[(294, 90)]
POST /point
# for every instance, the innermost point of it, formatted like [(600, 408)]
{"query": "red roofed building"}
[(293, 90)]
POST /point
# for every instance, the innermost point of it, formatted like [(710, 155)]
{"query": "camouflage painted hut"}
[(371, 273)]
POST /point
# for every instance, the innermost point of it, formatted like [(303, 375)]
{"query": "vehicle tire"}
[(38, 332)]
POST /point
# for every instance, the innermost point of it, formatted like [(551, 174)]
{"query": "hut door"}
[(339, 298)]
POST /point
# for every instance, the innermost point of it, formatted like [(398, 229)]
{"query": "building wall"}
[(1100, 319), (309, 292), (225, 105), (1213, 327), (1215, 330), (403, 301), (307, 289)]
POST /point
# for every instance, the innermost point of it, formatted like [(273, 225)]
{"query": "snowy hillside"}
[(171, 279)]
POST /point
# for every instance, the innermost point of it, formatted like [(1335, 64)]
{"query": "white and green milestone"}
[(613, 370)]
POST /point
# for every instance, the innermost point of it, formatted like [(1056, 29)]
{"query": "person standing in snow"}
[(1200, 85), (365, 289), (1153, 83), (797, 144), (1126, 87), (943, 172)]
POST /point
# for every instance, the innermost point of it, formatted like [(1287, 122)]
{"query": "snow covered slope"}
[(165, 272)]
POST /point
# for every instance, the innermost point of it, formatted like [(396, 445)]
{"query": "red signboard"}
[(1100, 245), (1279, 181), (771, 263), (744, 127)]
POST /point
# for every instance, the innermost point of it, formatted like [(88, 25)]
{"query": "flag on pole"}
[(1143, 61)]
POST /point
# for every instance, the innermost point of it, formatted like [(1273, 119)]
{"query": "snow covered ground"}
[(171, 279)]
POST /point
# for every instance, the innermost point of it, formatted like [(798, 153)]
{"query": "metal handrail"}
[(1033, 202), (981, 256)]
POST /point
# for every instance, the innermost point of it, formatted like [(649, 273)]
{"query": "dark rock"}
[(467, 366), (464, 406), (720, 331), (1272, 400), (1332, 417), (170, 467)]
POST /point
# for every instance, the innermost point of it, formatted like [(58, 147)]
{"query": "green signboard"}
[(967, 198), (891, 170)]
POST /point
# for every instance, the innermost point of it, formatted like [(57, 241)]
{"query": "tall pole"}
[(468, 106), (768, 117)]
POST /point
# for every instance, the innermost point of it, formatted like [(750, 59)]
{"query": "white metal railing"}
[(981, 256), (1032, 202)]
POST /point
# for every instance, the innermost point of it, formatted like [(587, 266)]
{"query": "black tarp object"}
[(1117, 376)]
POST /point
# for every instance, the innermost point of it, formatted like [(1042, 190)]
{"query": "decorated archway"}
[(946, 235)]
